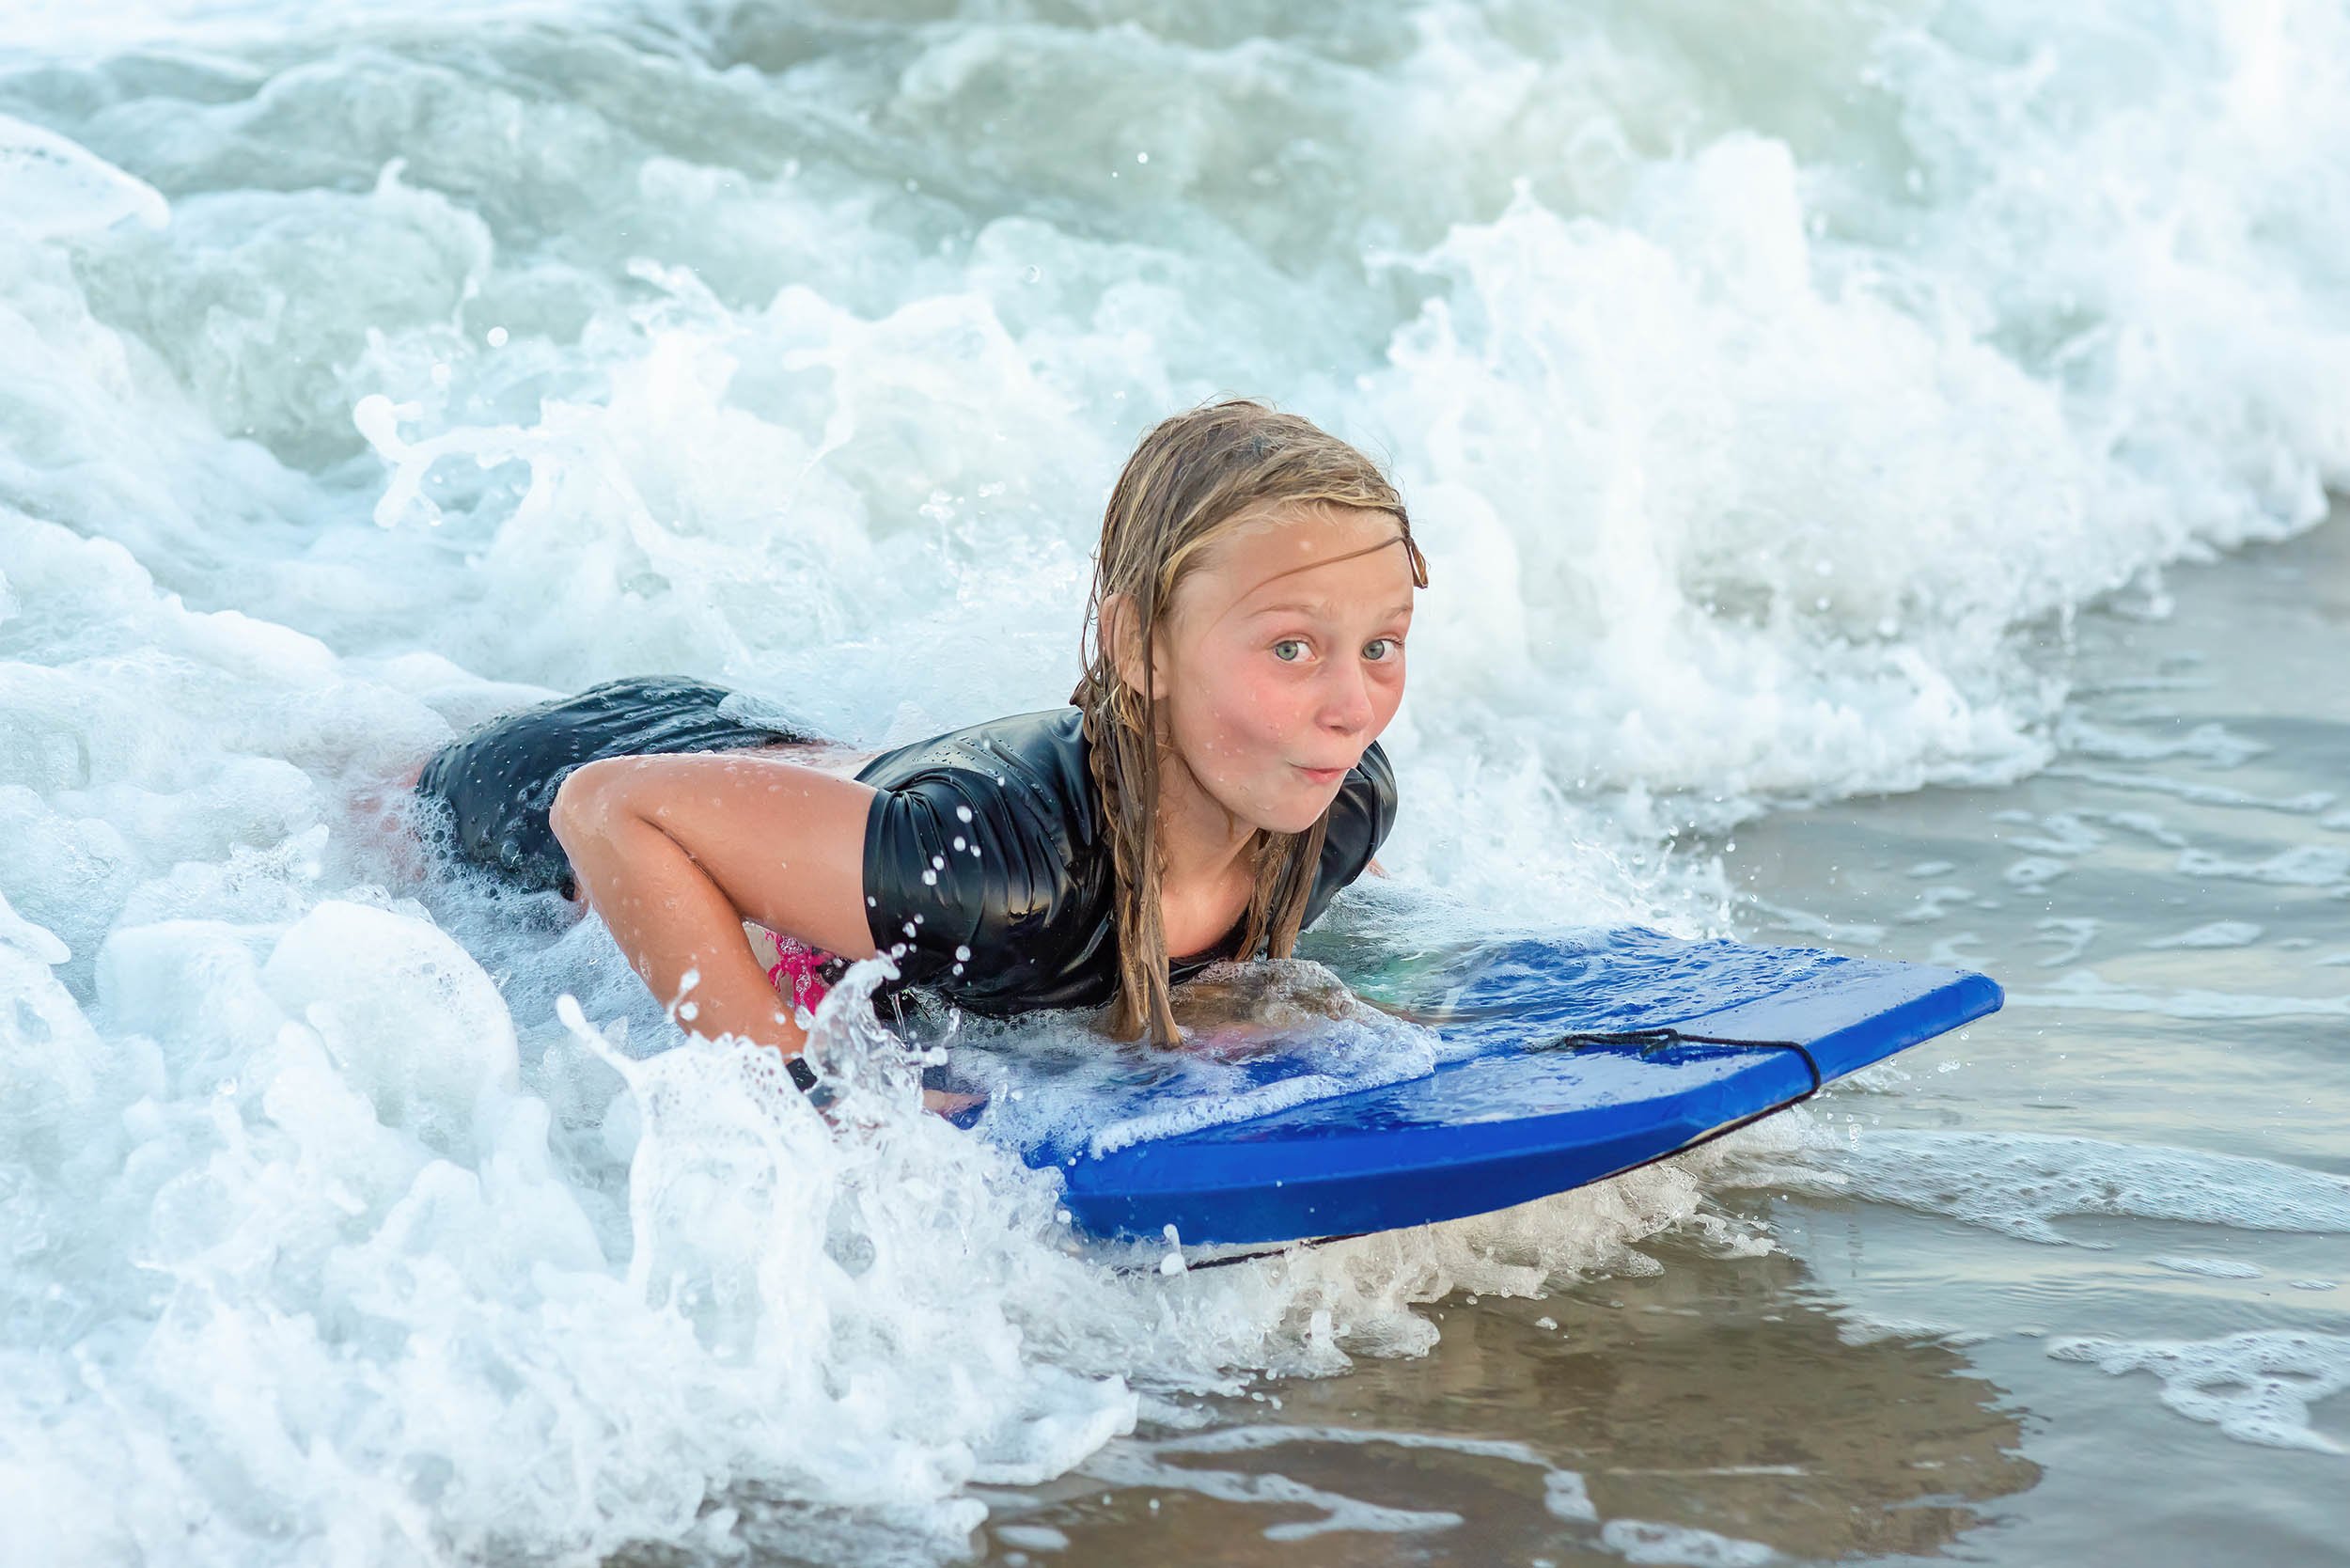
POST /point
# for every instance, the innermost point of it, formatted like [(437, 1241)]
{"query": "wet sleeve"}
[(962, 876), (1360, 820)]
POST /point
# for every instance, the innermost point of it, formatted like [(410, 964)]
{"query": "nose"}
[(1346, 704)]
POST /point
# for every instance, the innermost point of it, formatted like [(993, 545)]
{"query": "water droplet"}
[(496, 338)]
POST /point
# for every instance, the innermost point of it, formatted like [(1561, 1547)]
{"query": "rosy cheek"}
[(1275, 710)]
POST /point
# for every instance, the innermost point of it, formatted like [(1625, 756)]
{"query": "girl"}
[(1212, 786)]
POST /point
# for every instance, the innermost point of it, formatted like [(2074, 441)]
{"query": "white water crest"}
[(1753, 382)]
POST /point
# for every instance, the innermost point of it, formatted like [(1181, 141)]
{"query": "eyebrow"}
[(1321, 608)]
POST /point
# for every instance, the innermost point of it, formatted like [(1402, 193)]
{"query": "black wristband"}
[(802, 1075)]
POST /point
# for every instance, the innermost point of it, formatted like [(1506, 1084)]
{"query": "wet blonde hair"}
[(1190, 478)]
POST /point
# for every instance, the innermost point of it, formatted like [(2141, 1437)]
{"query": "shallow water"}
[(1806, 413)]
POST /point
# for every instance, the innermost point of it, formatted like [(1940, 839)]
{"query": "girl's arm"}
[(677, 851)]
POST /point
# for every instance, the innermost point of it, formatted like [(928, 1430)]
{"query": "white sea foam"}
[(2302, 866), (1641, 1540), (2084, 989), (2306, 803), (1034, 1538), (1935, 902), (2020, 1183), (362, 387), (51, 187), (2212, 742), (2215, 1268), (2255, 1387), (1053, 1081), (2215, 934), (2070, 935), (2212, 1268), (1566, 1495)]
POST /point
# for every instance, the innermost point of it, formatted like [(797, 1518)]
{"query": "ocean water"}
[(1874, 461)]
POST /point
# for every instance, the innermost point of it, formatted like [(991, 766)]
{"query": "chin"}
[(1298, 818)]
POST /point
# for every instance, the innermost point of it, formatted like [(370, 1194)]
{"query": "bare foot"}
[(948, 1102)]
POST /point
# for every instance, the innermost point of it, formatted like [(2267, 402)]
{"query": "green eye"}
[(1289, 642), (1380, 643)]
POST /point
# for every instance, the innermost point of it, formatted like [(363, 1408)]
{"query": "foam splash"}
[(52, 188), (2255, 1387), (566, 1337), (1259, 1038)]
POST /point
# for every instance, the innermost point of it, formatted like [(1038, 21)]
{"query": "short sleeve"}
[(1361, 817), (964, 874)]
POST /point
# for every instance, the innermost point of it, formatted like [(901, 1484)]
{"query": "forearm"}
[(671, 919)]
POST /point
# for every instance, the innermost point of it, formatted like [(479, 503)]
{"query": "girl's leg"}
[(488, 793)]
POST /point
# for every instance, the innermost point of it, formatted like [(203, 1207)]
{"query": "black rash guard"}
[(985, 862), (986, 859)]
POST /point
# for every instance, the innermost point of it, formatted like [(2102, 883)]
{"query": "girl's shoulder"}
[(1039, 760), (983, 871)]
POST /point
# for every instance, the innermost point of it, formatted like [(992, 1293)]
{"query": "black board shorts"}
[(497, 784)]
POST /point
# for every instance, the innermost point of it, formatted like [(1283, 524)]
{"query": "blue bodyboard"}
[(1564, 1062)]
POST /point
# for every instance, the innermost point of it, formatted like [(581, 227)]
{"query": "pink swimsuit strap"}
[(802, 966)]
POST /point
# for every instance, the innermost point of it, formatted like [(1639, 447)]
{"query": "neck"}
[(1200, 843)]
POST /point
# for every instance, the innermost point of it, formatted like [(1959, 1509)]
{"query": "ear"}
[(1121, 637)]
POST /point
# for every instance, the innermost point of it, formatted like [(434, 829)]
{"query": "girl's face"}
[(1280, 658)]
